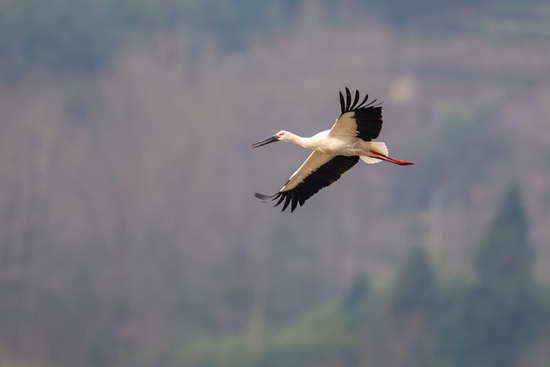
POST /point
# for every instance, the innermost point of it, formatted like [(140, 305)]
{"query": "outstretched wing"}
[(318, 171), (358, 119)]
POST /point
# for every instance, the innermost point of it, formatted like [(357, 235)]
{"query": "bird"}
[(335, 151)]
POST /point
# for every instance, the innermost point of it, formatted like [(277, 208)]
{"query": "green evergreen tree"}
[(414, 287), (489, 323), (505, 256), (356, 293)]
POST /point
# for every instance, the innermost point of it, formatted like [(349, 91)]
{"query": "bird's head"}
[(280, 136)]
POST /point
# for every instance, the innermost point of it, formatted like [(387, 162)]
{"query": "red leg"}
[(386, 158)]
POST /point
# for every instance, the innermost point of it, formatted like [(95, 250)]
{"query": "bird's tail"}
[(376, 146)]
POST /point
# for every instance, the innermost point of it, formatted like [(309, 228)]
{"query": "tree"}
[(491, 321), (414, 287), (356, 293), (505, 256)]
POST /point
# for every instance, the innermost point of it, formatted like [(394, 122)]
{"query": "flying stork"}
[(334, 151)]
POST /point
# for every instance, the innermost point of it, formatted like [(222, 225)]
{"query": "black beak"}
[(272, 139)]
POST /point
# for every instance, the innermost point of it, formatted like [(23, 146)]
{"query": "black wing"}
[(323, 176), (368, 117)]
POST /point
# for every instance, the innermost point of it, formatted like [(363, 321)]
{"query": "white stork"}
[(334, 151)]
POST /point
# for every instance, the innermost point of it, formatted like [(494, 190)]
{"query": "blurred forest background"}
[(129, 235)]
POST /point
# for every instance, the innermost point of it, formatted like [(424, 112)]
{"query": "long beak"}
[(272, 139)]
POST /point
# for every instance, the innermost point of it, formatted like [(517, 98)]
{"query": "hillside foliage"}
[(414, 322), (82, 35), (129, 234)]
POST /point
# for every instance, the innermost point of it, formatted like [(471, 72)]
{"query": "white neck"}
[(304, 142)]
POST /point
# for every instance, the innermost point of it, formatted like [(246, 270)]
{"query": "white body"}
[(327, 145), (337, 145)]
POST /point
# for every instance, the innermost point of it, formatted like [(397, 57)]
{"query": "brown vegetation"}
[(126, 207)]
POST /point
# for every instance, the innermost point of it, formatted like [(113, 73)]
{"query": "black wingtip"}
[(364, 101), (282, 199), (355, 100), (348, 104), (265, 198)]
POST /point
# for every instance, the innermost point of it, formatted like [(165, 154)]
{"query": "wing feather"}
[(360, 120), (356, 99), (318, 171)]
